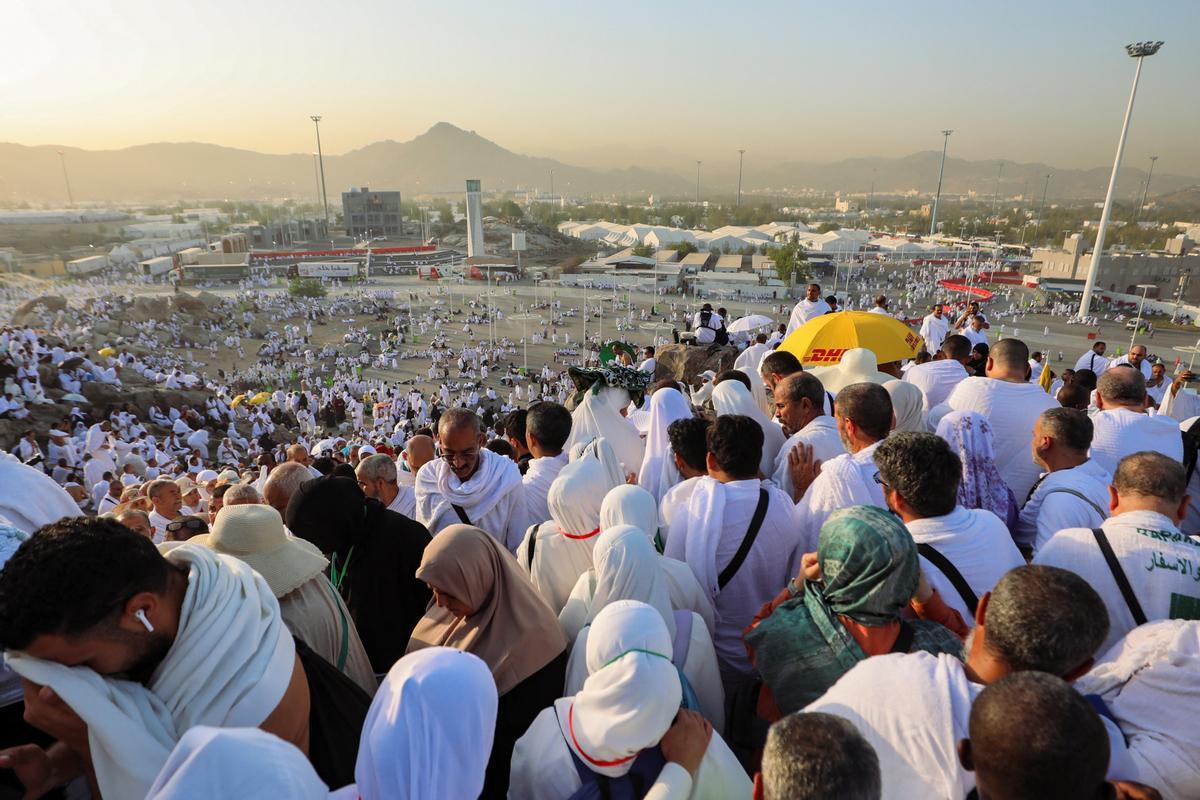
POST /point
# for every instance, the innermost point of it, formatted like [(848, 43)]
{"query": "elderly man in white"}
[(809, 308), (800, 408), (1134, 561), (935, 327), (1122, 425)]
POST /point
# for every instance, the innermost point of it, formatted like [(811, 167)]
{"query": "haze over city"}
[(655, 85)]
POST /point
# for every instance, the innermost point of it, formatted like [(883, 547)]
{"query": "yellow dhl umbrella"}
[(106, 352), (237, 401), (824, 340), (260, 398)]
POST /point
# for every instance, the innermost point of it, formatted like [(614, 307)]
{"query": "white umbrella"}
[(749, 323)]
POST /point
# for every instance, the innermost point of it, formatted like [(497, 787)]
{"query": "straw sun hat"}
[(255, 534)]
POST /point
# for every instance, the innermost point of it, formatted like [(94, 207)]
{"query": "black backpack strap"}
[(1114, 566), (532, 534), (1191, 448), (462, 514), (904, 639), (760, 513), (952, 574)]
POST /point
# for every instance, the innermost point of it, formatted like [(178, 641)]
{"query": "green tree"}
[(683, 248), (510, 210), (306, 287), (643, 250), (826, 227), (790, 259)]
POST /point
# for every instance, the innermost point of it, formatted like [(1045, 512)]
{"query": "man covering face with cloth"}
[(121, 650)]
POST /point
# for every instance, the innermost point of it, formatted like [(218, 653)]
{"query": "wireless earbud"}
[(141, 615)]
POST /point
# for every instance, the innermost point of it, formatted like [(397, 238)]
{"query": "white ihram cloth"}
[(29, 498), (600, 415), (708, 535), (230, 633), (934, 331), (623, 708), (657, 472), (1159, 562), (699, 664), (847, 480), (914, 708), (1051, 507), (1144, 368), (1148, 681), (1091, 360), (1011, 409), (633, 505), (236, 762), (821, 435), (563, 550), (732, 397), (429, 731), (493, 498), (673, 503), (537, 479), (979, 546), (1120, 432), (804, 311), (405, 501), (748, 360)]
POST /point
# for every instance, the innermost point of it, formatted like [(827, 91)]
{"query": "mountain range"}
[(437, 162)]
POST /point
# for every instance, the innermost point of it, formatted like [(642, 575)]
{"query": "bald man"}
[(1121, 425), (470, 484), (417, 453)]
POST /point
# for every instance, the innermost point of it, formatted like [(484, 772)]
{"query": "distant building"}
[(368, 214), (1067, 268), (843, 206)]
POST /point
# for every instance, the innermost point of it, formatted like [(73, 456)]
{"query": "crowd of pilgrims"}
[(954, 577)]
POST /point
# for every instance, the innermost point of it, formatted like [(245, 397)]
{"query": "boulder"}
[(188, 303), (683, 362), (147, 308), (101, 394), (31, 311), (210, 300)]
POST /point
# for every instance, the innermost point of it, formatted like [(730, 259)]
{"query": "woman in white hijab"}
[(908, 402), (732, 397), (625, 707), (633, 505), (556, 552), (600, 415), (627, 569), (429, 732), (658, 473)]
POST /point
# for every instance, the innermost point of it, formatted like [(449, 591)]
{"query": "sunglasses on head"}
[(197, 525)]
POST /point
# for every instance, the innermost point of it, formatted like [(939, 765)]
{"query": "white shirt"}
[(804, 311), (846, 480), (405, 502), (1093, 361), (934, 330), (706, 334), (1011, 409), (975, 336), (1160, 563), (979, 546), (1050, 508), (537, 479), (821, 434), (936, 379), (1119, 432), (675, 501), (878, 310), (158, 524), (649, 365), (1145, 365)]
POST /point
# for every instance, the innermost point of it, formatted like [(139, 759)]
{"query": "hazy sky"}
[(1029, 81)]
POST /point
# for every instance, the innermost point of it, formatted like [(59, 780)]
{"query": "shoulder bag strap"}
[(952, 574), (532, 534), (462, 513), (904, 639), (1081, 496), (1114, 566), (760, 513)]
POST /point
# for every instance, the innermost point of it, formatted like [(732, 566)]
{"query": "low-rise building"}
[(1066, 268)]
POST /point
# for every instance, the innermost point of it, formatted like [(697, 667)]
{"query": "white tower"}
[(474, 219)]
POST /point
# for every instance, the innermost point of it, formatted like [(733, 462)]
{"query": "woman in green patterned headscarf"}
[(869, 575)]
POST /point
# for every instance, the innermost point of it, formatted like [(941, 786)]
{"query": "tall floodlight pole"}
[(316, 118), (741, 154), (1042, 208), (871, 198), (1145, 193), (1139, 51), (941, 172), (552, 183), (698, 183), (71, 198), (996, 194)]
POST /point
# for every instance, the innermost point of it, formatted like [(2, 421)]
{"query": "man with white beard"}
[(800, 408)]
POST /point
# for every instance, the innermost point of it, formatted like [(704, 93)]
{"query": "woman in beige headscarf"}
[(484, 604), (908, 401)]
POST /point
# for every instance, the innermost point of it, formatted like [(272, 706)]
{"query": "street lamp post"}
[(1145, 287), (996, 194), (741, 154), (1145, 192), (316, 118), (698, 183), (1139, 51), (63, 160), (941, 172), (1042, 208)]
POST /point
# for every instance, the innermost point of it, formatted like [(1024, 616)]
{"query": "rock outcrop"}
[(683, 362)]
